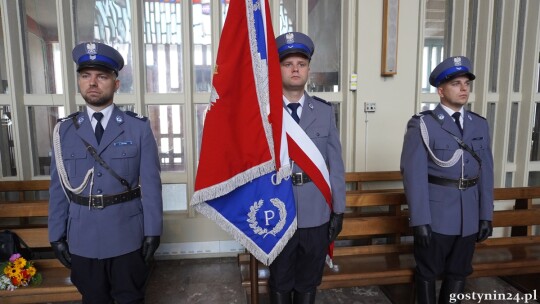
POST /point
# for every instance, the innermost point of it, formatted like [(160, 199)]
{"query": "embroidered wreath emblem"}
[(252, 217)]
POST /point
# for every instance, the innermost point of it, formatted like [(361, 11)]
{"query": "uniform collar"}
[(301, 101), (450, 111), (107, 112)]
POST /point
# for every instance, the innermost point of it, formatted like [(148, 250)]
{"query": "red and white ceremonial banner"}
[(246, 107), (242, 178)]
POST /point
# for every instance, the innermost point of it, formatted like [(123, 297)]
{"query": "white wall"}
[(378, 143)]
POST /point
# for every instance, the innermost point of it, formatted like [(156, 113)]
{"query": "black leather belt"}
[(102, 201), (458, 183), (298, 179)]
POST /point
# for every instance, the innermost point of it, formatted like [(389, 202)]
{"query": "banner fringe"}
[(231, 184), (284, 173), (262, 87), (282, 242), (240, 237)]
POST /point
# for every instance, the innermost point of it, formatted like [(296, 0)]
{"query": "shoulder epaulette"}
[(321, 100), (418, 115), (68, 117), (138, 116), (477, 115)]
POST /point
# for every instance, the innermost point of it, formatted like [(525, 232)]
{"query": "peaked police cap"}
[(451, 68), (295, 43), (97, 55)]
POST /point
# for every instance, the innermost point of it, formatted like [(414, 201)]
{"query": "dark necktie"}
[(294, 114), (99, 128), (456, 119)]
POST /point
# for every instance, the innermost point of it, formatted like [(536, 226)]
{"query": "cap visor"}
[(294, 51), (96, 65), (468, 74)]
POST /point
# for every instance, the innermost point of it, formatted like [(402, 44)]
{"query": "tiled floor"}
[(217, 281)]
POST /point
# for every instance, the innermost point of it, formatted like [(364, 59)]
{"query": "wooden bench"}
[(24, 211), (377, 181), (375, 245)]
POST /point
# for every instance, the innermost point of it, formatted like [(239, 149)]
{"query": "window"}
[(200, 115), (3, 71), (42, 121), (534, 179), (202, 45), (168, 127), (432, 55), (535, 149), (508, 179), (7, 144), (224, 11), (512, 132), (428, 106), (287, 16), (173, 79), (519, 45), (490, 117), (471, 33), (163, 46), (538, 75), (174, 197), (107, 22), (325, 65), (495, 49), (41, 47), (434, 40)]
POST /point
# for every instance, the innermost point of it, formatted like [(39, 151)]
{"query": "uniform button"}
[(466, 161), (72, 154), (99, 191), (99, 174), (124, 154), (318, 134)]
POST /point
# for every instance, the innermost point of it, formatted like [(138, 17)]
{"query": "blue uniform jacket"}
[(448, 210), (130, 149), (318, 122)]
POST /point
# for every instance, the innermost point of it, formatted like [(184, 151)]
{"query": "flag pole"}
[(254, 277)]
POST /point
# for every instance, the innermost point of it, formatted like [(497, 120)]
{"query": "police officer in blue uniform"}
[(105, 208), (447, 168), (297, 271)]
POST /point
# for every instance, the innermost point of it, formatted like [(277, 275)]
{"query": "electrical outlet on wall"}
[(369, 107)]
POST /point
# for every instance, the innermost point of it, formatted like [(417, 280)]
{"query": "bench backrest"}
[(363, 181), (384, 215), (24, 186), (23, 210), (371, 214)]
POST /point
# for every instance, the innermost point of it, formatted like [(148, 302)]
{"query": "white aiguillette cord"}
[(445, 164), (62, 170)]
